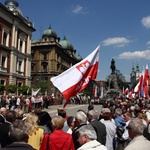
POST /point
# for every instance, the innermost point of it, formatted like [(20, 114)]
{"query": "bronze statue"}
[(113, 67)]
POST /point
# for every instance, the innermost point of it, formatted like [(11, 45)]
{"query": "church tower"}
[(135, 74)]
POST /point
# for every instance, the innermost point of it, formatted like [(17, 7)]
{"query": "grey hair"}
[(93, 113), (19, 131), (87, 130), (136, 124), (80, 115), (118, 111)]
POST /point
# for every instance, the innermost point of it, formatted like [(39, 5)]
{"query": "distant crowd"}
[(26, 103), (122, 124)]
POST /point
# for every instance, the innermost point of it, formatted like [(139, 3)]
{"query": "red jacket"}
[(58, 140)]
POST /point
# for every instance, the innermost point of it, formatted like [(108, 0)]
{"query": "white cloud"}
[(116, 41), (146, 21), (135, 55), (78, 9), (148, 43)]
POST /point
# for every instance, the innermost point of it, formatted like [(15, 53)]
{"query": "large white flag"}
[(78, 76)]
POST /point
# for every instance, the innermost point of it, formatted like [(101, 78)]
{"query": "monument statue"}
[(113, 67), (112, 90)]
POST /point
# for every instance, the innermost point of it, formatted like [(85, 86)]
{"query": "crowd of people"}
[(26, 102), (122, 124)]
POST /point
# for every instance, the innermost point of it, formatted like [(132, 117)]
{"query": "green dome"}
[(79, 58), (66, 44), (49, 32)]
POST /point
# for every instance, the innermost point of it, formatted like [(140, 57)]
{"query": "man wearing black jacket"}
[(98, 126), (80, 120)]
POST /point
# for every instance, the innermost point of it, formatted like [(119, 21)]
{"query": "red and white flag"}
[(146, 78), (95, 91), (126, 91), (78, 76), (137, 88)]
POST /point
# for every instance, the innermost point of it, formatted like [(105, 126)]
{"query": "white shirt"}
[(92, 145), (125, 135), (18, 101), (111, 132)]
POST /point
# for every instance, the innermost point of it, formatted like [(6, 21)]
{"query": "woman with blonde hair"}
[(35, 133)]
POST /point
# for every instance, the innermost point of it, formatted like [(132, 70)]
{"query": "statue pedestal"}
[(113, 88)]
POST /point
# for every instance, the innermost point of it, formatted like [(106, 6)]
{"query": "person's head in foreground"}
[(86, 133), (87, 138), (19, 132), (135, 127), (57, 122)]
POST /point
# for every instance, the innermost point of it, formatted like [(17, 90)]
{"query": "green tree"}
[(12, 88), (43, 84), (23, 90), (2, 88)]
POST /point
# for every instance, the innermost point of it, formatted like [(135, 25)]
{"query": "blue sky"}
[(120, 27)]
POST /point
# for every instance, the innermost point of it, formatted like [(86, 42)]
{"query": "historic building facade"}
[(50, 57), (15, 45), (135, 74)]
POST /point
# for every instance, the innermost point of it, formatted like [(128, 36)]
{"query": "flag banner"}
[(146, 78), (35, 91), (126, 91), (76, 78), (95, 91), (138, 87), (142, 86), (102, 92)]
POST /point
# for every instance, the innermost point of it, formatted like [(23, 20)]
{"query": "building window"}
[(19, 84), (3, 62), (20, 66), (21, 46), (44, 68), (2, 81), (5, 37), (22, 43), (32, 68), (45, 56)]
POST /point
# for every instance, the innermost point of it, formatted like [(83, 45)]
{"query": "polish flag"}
[(95, 91), (139, 85), (78, 76), (131, 94), (142, 92), (146, 78), (126, 91)]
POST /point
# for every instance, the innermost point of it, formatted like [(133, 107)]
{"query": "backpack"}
[(119, 132)]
